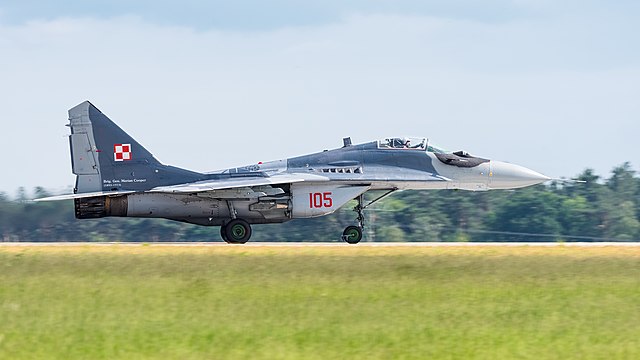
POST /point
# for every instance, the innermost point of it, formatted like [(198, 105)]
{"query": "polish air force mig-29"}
[(116, 176)]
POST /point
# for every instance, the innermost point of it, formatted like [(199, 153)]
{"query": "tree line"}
[(600, 209)]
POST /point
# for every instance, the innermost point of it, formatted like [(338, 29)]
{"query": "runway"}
[(333, 244)]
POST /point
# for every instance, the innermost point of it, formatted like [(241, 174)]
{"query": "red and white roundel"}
[(121, 152)]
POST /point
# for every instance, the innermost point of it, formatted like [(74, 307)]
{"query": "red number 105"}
[(318, 200)]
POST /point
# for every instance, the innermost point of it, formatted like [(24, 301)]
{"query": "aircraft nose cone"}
[(510, 176)]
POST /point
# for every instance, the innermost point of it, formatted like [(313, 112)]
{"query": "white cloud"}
[(547, 94)]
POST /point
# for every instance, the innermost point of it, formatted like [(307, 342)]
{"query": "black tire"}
[(237, 231), (223, 234), (352, 234)]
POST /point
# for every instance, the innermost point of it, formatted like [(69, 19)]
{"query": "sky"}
[(206, 85)]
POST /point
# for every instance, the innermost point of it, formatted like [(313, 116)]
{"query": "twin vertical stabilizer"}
[(105, 158)]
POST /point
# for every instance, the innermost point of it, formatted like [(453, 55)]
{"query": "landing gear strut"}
[(353, 234), (236, 231)]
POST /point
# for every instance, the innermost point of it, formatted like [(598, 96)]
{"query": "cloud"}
[(256, 15), (522, 91)]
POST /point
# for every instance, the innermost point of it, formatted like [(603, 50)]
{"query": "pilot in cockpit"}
[(402, 143), (407, 145)]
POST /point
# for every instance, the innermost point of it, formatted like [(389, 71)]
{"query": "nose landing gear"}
[(353, 234)]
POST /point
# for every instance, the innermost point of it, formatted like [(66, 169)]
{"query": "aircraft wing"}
[(203, 186), (231, 183), (83, 195)]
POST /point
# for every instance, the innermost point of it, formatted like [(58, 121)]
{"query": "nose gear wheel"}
[(352, 234)]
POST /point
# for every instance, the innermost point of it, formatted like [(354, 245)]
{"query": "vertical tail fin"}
[(106, 158)]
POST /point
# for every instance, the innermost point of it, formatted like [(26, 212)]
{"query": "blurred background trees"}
[(598, 210)]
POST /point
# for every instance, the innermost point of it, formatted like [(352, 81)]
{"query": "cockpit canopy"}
[(410, 143), (403, 143)]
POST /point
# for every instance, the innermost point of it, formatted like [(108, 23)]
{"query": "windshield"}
[(435, 149)]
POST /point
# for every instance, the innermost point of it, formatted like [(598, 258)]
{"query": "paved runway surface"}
[(365, 244)]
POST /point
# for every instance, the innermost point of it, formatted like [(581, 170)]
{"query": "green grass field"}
[(106, 302)]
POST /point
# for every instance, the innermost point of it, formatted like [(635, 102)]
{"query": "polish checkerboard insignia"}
[(121, 152)]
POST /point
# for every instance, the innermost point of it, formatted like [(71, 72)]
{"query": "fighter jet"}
[(116, 176)]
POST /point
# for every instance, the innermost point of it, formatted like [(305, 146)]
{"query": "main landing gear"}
[(353, 234), (236, 231)]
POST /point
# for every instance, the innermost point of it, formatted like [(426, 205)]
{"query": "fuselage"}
[(401, 168)]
